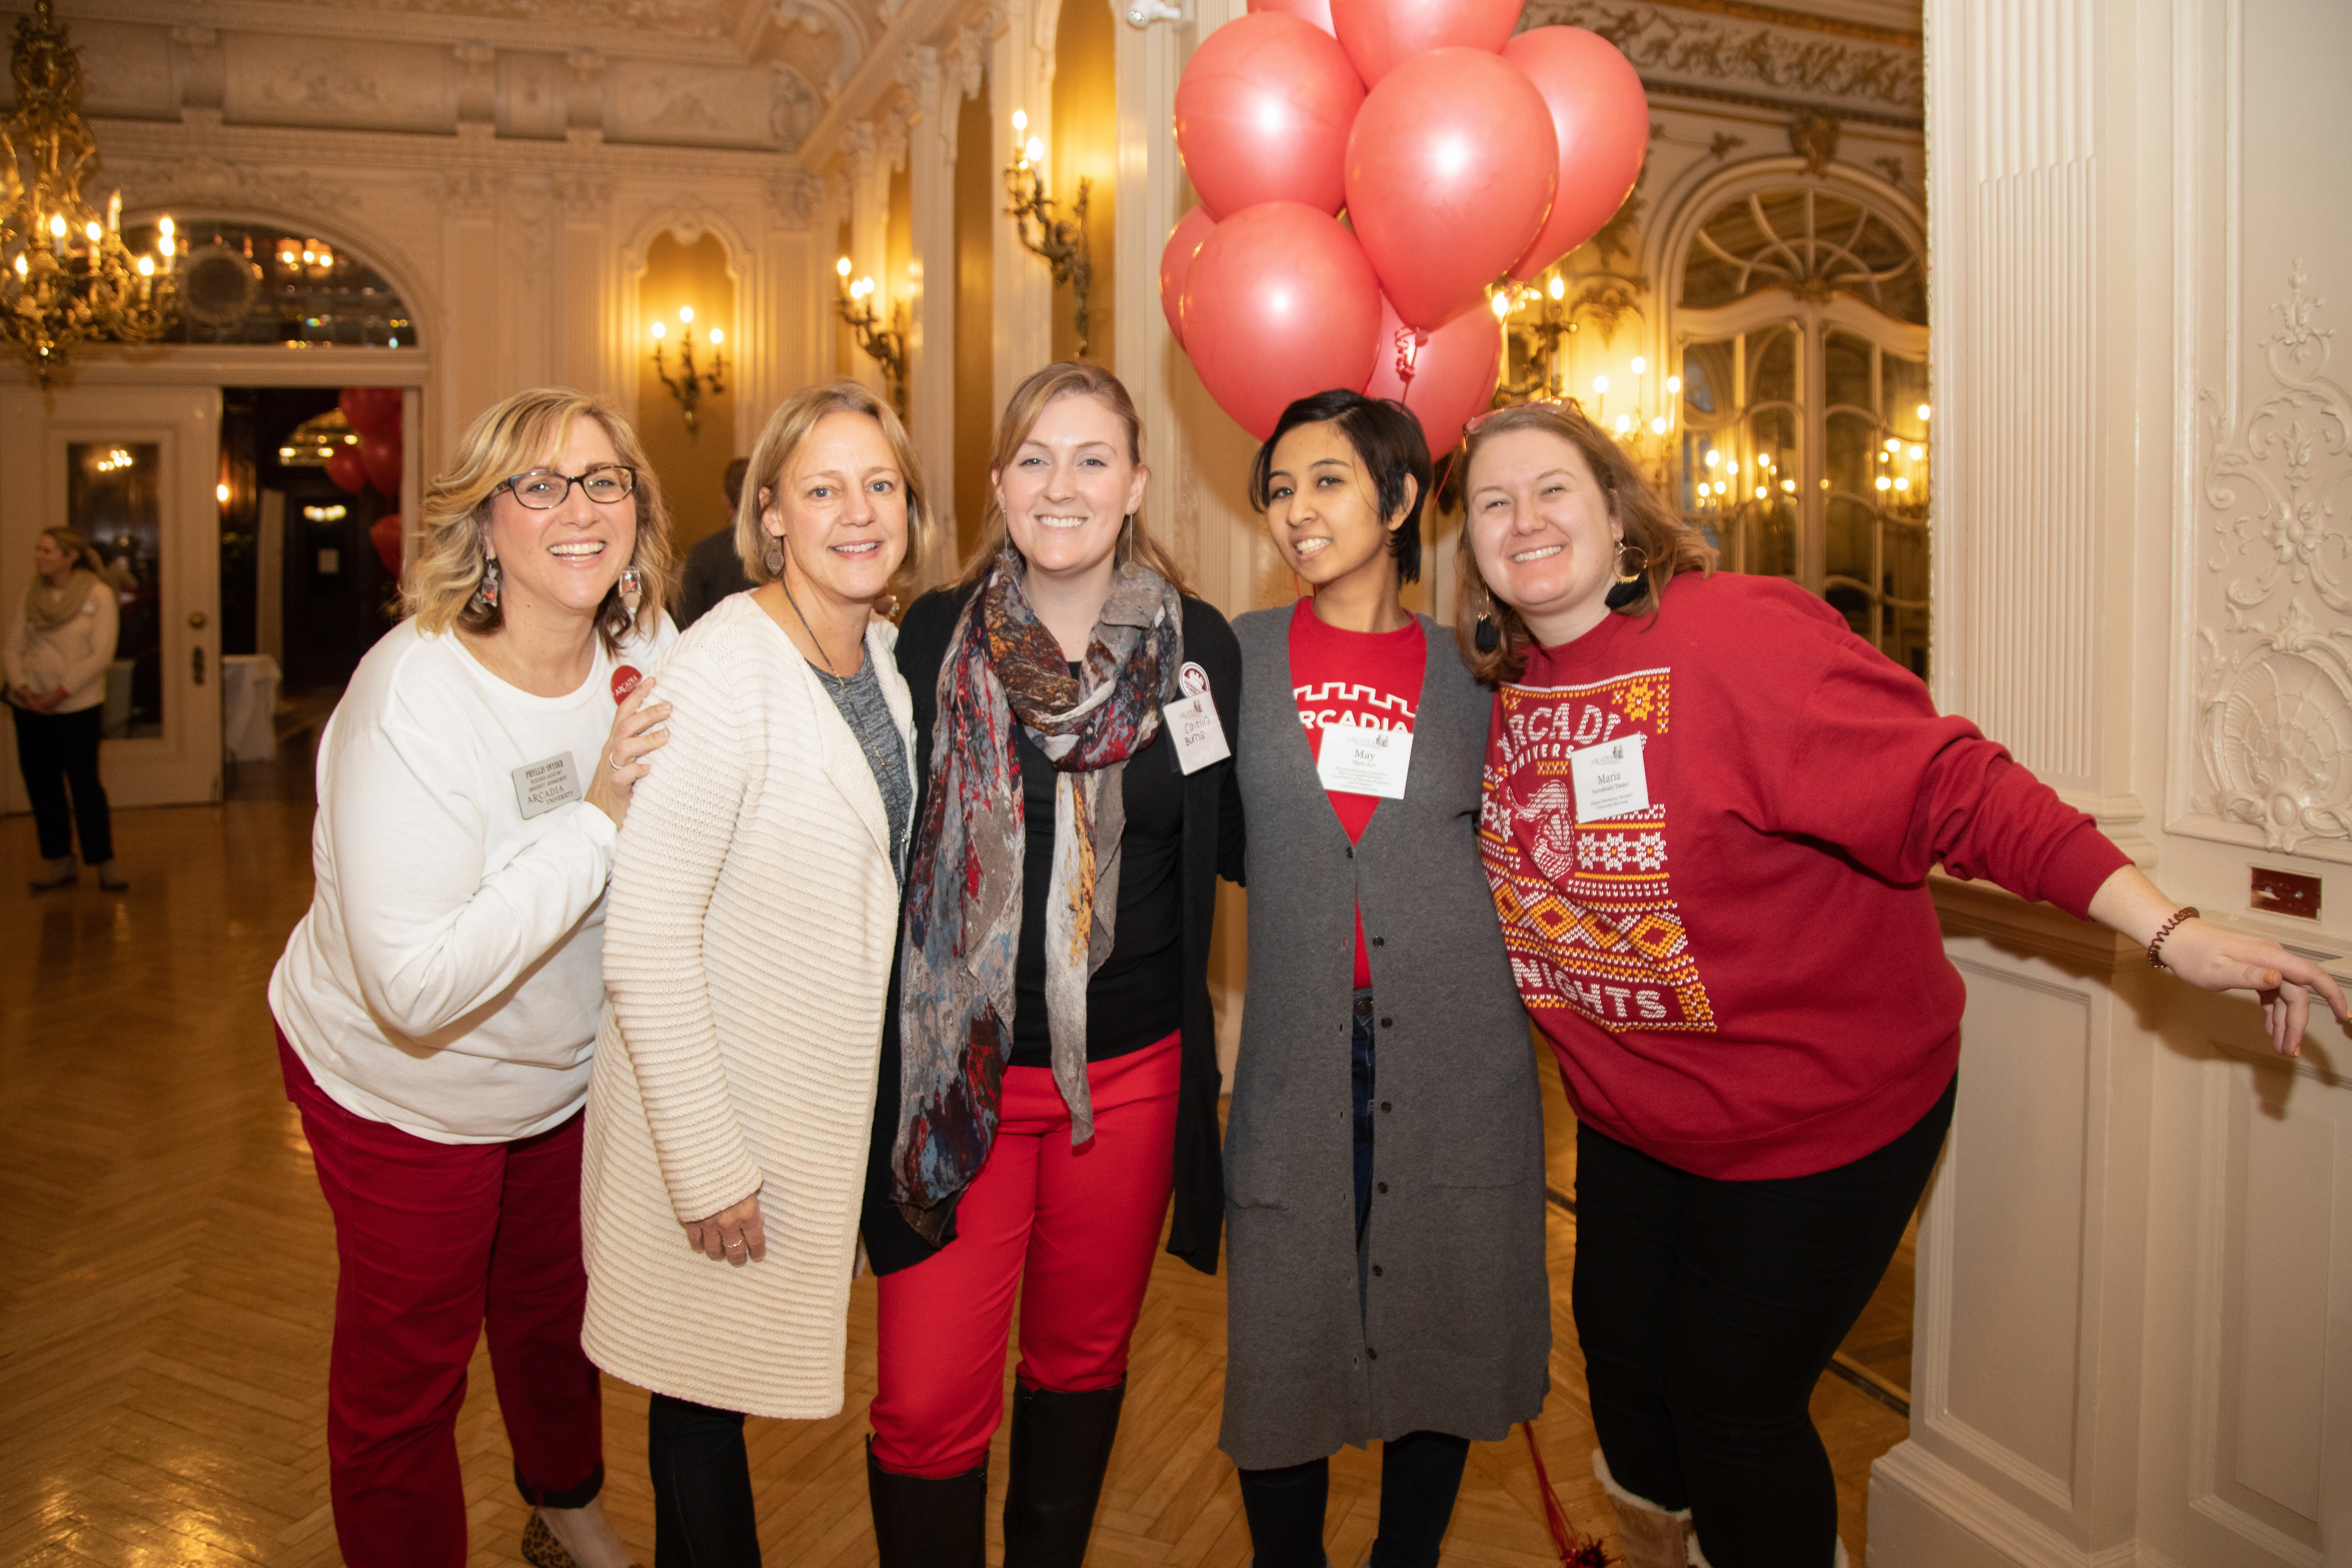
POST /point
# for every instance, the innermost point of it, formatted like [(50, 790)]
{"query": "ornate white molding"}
[(1669, 45), (2274, 690)]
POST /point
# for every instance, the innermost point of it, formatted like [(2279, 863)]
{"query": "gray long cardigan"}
[(1449, 1326)]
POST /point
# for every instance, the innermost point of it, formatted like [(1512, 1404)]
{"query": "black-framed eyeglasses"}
[(544, 489)]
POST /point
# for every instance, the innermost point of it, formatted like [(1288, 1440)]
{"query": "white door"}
[(135, 470)]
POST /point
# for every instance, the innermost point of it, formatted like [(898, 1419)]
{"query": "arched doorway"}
[(1800, 324)]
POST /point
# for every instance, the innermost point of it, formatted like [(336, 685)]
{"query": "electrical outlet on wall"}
[(2285, 893)]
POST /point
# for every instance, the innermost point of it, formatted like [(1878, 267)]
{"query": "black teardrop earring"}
[(1630, 583)]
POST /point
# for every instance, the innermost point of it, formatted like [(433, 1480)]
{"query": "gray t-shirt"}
[(867, 714)]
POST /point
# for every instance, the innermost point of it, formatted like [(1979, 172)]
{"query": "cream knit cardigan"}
[(747, 950)]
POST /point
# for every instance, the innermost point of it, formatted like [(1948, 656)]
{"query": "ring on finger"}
[(613, 761)]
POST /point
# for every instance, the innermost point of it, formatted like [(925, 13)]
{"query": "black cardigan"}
[(1212, 847)]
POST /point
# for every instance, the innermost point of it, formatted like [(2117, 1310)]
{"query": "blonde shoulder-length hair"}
[(1669, 545), (1065, 378), (780, 443), (513, 436)]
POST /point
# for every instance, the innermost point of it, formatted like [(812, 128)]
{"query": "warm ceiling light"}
[(1713, 456), (842, 267), (1034, 150), (1020, 120), (660, 330), (1674, 384), (1884, 483), (1658, 426), (716, 337), (220, 493), (1624, 423), (1917, 453), (685, 313), (1559, 287), (1639, 364), (1923, 414)]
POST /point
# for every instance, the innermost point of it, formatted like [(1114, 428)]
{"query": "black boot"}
[(1061, 1447), (924, 1523)]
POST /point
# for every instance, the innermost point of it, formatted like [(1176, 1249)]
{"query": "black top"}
[(1208, 845), (1137, 994), (712, 571)]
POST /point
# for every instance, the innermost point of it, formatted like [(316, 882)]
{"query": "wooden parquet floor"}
[(167, 1269)]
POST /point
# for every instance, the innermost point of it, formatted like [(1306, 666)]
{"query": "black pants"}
[(58, 753), (1707, 1310), (702, 1487), (1419, 1474)]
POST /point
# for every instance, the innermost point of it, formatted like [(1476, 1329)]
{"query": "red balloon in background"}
[(1451, 168), (1263, 112), (381, 455), (1176, 260), (1452, 372), (343, 466), (1382, 35), (371, 410), (1316, 11), (1279, 303), (386, 535), (1601, 117)]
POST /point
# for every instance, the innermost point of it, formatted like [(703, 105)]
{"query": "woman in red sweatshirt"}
[(1710, 812)]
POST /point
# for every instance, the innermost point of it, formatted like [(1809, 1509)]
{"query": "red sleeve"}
[(1874, 770)]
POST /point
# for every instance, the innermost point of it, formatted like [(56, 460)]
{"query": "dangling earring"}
[(1632, 582), (1485, 635), (633, 590), (772, 554), (487, 594)]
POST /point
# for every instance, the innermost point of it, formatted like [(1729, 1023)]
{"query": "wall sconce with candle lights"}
[(886, 346), (1539, 318), (689, 385), (1060, 242)]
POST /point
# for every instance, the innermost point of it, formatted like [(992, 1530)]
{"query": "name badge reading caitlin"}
[(1192, 724), (543, 786)]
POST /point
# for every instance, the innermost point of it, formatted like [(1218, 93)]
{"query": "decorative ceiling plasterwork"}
[(1795, 60), (2275, 679), (690, 18)]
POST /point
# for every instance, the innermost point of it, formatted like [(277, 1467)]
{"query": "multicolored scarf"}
[(963, 891)]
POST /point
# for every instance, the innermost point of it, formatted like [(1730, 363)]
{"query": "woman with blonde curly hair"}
[(1710, 810), (436, 1008)]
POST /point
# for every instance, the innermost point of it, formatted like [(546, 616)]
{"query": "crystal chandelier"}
[(66, 278)]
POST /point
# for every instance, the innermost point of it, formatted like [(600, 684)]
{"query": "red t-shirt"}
[(1746, 979), (1371, 679)]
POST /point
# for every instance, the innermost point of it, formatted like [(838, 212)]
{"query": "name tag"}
[(1611, 779), (1192, 724), (1359, 761), (543, 786)]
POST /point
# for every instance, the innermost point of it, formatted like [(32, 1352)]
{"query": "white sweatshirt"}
[(450, 975), (75, 656)]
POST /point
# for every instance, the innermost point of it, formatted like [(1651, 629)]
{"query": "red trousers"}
[(1071, 1229), (435, 1239)]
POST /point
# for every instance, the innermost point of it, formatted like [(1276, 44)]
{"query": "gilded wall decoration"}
[(691, 18), (1665, 42), (2275, 679)]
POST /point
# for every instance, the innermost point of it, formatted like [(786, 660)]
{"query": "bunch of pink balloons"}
[(1460, 155), (373, 415)]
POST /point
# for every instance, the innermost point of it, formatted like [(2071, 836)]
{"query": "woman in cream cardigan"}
[(747, 954)]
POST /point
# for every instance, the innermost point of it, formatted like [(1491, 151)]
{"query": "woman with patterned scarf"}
[(1049, 1066)]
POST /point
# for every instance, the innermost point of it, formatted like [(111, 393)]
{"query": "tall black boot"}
[(1061, 1447), (924, 1523)]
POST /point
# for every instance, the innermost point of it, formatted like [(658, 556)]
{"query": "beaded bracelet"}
[(2155, 959)]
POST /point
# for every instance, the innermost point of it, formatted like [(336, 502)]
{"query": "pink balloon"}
[(1450, 172), (1382, 35), (1279, 302), (1263, 112), (345, 467), (381, 455), (371, 410), (1446, 378), (1176, 260), (1316, 11), (1601, 117), (385, 536)]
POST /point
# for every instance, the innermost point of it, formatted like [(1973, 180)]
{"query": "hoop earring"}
[(1631, 585), (1633, 573), (486, 595)]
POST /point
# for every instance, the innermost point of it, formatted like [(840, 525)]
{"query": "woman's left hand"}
[(2214, 958)]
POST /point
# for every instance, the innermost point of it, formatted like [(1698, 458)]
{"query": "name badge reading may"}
[(1355, 760), (1192, 722), (1611, 779), (543, 786)]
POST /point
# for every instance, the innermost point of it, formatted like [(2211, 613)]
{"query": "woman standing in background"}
[(60, 641)]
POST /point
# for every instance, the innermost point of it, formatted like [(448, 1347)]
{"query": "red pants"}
[(1074, 1229), (433, 1239)]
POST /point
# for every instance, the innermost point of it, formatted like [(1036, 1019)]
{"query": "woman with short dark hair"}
[(1710, 814), (1384, 1150)]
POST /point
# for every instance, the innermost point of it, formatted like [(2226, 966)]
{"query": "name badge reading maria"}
[(1611, 779), (543, 786), (1192, 724), (1355, 760)]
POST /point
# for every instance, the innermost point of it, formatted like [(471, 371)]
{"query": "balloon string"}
[(1576, 1550)]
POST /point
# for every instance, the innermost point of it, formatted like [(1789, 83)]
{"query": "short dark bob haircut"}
[(1388, 441)]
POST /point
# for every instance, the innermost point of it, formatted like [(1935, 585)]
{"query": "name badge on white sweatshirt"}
[(1611, 779), (541, 786), (1358, 760), (1192, 724)]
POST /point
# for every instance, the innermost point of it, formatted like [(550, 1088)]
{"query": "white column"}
[(1020, 76), (930, 308)]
